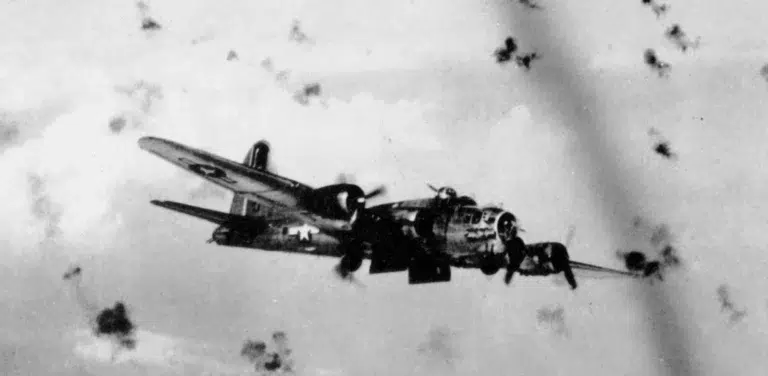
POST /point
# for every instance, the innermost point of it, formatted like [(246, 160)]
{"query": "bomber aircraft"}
[(425, 237)]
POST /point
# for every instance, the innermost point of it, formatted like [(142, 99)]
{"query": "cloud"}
[(440, 346), (553, 318), (727, 305), (87, 155), (157, 350)]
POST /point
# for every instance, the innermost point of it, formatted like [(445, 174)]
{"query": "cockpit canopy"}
[(465, 200), (446, 193), (503, 222), (469, 215)]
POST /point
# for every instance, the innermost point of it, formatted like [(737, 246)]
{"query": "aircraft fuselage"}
[(466, 234)]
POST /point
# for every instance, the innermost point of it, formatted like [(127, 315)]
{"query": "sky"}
[(410, 95)]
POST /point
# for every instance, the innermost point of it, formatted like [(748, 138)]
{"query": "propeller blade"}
[(432, 187), (569, 236), (376, 192), (341, 272), (515, 250), (346, 275), (508, 274)]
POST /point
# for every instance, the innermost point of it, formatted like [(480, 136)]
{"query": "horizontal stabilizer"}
[(594, 271), (214, 216)]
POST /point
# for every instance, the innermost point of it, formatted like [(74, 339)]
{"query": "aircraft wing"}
[(259, 185), (584, 270), (209, 215)]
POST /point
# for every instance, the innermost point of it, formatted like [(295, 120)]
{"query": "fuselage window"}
[(253, 207), (468, 215)]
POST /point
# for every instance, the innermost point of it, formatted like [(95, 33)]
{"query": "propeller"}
[(347, 275), (380, 190), (344, 178), (443, 192), (560, 279), (569, 236), (515, 250), (353, 258)]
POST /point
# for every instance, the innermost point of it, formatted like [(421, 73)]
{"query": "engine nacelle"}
[(338, 201), (418, 223), (504, 223)]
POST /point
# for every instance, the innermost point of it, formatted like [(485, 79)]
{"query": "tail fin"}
[(257, 158)]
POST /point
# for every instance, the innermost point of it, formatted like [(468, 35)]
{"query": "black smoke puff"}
[(659, 10), (279, 336), (675, 31), (273, 363), (75, 271), (764, 72), (296, 33), (114, 321), (312, 89), (635, 261), (650, 58), (653, 268), (669, 256), (510, 45), (309, 90), (662, 148), (253, 350), (502, 55), (530, 4), (117, 124), (150, 24), (676, 34), (526, 60)]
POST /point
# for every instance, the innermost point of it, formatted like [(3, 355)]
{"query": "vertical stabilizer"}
[(257, 158)]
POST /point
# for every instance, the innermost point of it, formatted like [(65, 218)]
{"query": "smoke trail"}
[(89, 307), (727, 305), (111, 322)]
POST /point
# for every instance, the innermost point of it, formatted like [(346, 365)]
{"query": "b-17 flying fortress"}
[(425, 237)]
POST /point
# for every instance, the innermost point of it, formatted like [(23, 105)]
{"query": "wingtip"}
[(147, 141)]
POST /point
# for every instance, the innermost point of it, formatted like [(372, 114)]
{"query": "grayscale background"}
[(410, 94)]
